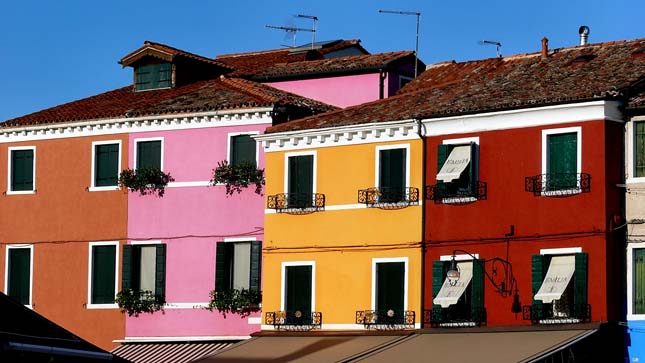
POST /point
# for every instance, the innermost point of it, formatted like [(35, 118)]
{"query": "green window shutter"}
[(392, 168), (638, 290), (143, 78), (106, 162), (562, 160), (22, 170), (437, 279), (537, 276), (390, 285), (149, 154), (103, 265), (443, 151), (639, 149), (477, 304), (298, 291), (126, 269), (301, 174), (19, 274), (256, 265), (223, 258), (153, 76), (243, 149), (580, 282), (160, 270), (472, 172)]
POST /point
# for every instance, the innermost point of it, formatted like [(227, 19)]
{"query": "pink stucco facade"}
[(190, 219)]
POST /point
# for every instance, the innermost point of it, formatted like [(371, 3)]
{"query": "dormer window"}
[(153, 76)]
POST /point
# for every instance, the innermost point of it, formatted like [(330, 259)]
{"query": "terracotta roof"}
[(614, 70), (165, 52), (210, 95)]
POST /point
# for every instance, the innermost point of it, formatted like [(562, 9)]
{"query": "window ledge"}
[(465, 324), (458, 200), (103, 189), (559, 321), (561, 192), (19, 192), (101, 306)]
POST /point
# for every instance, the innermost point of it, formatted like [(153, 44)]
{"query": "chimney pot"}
[(545, 48)]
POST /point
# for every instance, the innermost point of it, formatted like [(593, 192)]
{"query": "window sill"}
[(457, 200), (559, 321), (19, 192), (103, 189), (561, 192), (466, 324), (101, 306)]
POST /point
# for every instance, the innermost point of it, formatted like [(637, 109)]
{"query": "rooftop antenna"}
[(313, 27), (290, 29), (496, 44), (416, 47)]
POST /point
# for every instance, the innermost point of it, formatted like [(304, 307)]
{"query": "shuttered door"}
[(639, 149), (390, 286), (242, 150), (223, 258), (22, 170), (103, 265), (19, 274), (563, 160), (392, 175), (298, 291), (106, 165), (301, 177), (149, 154), (639, 281)]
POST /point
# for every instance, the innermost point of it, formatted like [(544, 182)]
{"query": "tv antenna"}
[(293, 30), (416, 47), (496, 44)]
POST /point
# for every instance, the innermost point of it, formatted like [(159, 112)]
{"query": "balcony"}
[(294, 320), (296, 203), (389, 198), (454, 316), (449, 193), (558, 185), (546, 314), (386, 319)]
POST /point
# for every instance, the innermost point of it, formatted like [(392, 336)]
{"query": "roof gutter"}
[(381, 83), (67, 352)]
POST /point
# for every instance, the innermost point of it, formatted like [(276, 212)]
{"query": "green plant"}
[(148, 180), (235, 301), (135, 302), (239, 176)]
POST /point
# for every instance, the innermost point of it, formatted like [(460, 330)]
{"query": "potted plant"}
[(234, 301), (239, 176), (135, 302), (148, 180)]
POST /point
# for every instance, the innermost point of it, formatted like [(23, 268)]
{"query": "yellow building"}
[(343, 226)]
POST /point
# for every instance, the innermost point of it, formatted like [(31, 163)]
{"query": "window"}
[(103, 272), (237, 265), (153, 76), (144, 268), (390, 287), (561, 159), (106, 164), (559, 287), (300, 181), (22, 170), (392, 174), (242, 149), (18, 274), (298, 289), (636, 281), (457, 170), (463, 302), (149, 153), (639, 149)]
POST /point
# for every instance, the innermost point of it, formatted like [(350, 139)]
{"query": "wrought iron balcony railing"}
[(300, 320), (545, 314), (558, 185), (454, 316), (449, 193), (386, 319), (389, 198), (296, 203)]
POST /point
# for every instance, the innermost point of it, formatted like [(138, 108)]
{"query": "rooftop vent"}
[(584, 34)]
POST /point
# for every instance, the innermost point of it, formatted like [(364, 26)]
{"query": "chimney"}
[(584, 34), (545, 48)]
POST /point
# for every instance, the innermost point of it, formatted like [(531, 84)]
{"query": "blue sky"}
[(52, 52)]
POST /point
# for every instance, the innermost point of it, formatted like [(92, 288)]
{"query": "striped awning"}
[(167, 352)]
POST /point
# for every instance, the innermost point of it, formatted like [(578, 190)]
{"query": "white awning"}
[(557, 278), (455, 164), (449, 295)]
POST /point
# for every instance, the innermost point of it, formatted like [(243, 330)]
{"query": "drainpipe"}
[(381, 77), (423, 216)]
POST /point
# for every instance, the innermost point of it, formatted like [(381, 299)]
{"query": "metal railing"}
[(294, 319), (296, 203), (558, 184), (450, 193), (388, 197), (546, 314), (455, 316), (386, 319)]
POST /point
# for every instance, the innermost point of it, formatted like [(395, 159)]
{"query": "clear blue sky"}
[(52, 52)]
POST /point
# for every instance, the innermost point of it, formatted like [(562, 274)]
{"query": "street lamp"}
[(502, 287)]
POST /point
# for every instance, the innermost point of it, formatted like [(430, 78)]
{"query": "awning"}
[(455, 164), (175, 352), (449, 295), (557, 278)]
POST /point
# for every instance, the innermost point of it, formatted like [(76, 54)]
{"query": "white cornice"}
[(337, 136), (250, 116)]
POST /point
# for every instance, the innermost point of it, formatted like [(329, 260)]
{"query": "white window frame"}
[(464, 141), (406, 273), (90, 265), (161, 154), (283, 285), (631, 246), (631, 157), (377, 162), (286, 168), (229, 143), (545, 148), (93, 187), (9, 174), (31, 270)]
